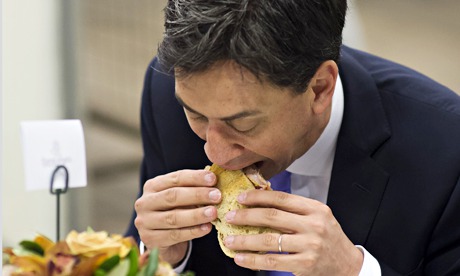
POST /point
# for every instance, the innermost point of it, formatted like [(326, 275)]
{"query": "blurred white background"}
[(86, 60)]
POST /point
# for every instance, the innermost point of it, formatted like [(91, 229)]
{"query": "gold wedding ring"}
[(280, 239)]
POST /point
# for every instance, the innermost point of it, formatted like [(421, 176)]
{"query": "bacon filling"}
[(259, 182)]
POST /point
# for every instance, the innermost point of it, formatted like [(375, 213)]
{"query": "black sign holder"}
[(58, 193)]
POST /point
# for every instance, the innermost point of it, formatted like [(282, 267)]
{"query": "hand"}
[(175, 208), (311, 235)]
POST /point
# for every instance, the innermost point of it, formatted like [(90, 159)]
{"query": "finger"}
[(270, 262), (166, 238), (180, 218), (273, 242), (267, 217), (179, 197), (257, 243), (176, 219), (182, 178), (280, 200)]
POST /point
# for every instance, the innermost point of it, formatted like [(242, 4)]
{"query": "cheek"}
[(285, 142), (271, 145)]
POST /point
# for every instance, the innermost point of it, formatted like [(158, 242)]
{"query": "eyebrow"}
[(228, 118)]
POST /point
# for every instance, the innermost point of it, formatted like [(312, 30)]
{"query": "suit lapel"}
[(357, 181), (356, 190)]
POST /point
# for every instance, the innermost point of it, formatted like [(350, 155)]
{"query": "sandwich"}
[(231, 184)]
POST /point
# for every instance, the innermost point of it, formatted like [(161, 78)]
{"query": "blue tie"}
[(280, 182)]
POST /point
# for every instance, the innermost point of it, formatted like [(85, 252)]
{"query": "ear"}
[(323, 84)]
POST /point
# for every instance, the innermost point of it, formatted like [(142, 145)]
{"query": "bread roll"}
[(231, 184)]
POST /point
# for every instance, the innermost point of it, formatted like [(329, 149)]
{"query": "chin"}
[(267, 169)]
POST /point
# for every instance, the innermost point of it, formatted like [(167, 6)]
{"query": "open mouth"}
[(253, 173), (258, 165), (254, 167)]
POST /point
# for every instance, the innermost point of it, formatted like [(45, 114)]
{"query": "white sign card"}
[(49, 144)]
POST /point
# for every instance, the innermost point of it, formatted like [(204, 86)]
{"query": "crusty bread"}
[(231, 184)]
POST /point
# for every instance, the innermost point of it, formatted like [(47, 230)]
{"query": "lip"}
[(257, 165)]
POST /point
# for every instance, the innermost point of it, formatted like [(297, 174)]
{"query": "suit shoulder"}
[(399, 80)]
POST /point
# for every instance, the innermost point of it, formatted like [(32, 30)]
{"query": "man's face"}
[(245, 121)]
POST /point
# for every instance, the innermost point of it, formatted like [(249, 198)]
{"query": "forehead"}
[(225, 72), (224, 84)]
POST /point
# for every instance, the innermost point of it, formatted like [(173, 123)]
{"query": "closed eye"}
[(199, 118), (241, 127)]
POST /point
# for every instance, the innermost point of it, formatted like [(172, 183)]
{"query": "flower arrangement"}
[(87, 253)]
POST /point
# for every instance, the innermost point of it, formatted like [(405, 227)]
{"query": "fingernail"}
[(208, 211), (229, 240), (230, 215), (209, 178), (241, 197), (214, 195)]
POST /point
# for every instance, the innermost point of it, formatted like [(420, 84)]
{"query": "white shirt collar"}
[(317, 161)]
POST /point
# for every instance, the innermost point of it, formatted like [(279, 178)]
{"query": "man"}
[(372, 147)]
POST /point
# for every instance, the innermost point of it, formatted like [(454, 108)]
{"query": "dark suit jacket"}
[(395, 185)]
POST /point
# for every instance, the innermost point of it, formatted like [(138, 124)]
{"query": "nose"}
[(220, 147)]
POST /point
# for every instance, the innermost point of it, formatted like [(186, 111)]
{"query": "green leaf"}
[(99, 272), (152, 264), (89, 229), (121, 269), (110, 263), (133, 262), (187, 273), (142, 271), (33, 247)]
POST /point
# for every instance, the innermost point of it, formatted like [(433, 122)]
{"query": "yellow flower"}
[(91, 243)]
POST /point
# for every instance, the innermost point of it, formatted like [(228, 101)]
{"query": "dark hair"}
[(282, 41)]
